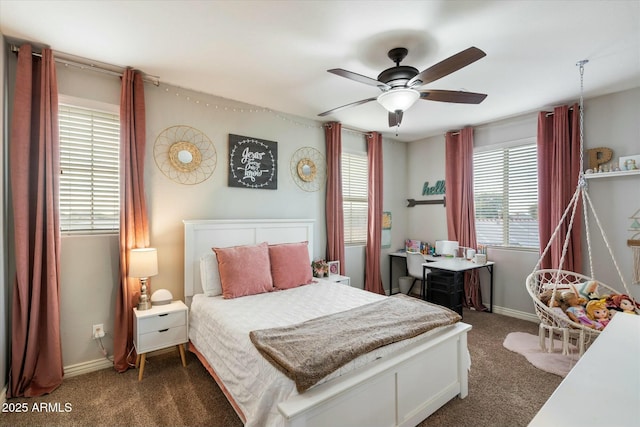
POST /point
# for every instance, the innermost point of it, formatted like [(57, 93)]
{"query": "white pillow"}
[(209, 275)]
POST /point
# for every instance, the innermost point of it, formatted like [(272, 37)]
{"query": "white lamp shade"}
[(398, 99), (143, 262)]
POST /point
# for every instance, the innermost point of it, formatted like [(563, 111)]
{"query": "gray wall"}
[(613, 121), (89, 264), (610, 121)]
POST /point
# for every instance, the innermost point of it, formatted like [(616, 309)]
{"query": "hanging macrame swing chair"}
[(542, 283)]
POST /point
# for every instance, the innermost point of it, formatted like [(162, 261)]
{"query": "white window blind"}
[(354, 196), (506, 196), (89, 161)]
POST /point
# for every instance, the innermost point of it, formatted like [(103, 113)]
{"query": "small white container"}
[(471, 253), (481, 259)]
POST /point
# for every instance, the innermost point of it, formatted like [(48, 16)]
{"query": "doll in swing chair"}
[(623, 303), (598, 312)]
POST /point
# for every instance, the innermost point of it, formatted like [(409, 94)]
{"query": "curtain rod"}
[(550, 113), (87, 64), (347, 128), (485, 124)]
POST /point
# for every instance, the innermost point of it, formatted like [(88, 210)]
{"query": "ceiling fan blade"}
[(353, 104), (447, 66), (359, 78), (395, 118), (458, 97)]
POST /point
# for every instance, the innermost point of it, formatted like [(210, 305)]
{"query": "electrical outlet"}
[(98, 331)]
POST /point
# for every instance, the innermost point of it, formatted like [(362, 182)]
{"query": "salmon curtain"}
[(34, 162), (134, 228), (333, 207), (558, 170), (461, 220), (372, 277)]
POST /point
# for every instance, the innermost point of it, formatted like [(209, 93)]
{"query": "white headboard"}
[(200, 236)]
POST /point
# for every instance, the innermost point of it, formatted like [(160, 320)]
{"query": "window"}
[(89, 162), (506, 196), (354, 197)]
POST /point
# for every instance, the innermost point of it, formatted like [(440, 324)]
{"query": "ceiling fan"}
[(400, 84)]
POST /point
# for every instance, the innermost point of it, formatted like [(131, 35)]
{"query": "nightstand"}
[(160, 327), (339, 279)]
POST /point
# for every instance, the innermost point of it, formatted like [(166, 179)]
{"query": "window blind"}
[(506, 196), (355, 197), (89, 161)]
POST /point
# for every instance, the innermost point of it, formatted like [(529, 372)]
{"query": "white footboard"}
[(401, 389)]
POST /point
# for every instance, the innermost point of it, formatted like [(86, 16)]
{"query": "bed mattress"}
[(219, 329)]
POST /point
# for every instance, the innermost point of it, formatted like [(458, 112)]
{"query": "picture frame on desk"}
[(334, 268)]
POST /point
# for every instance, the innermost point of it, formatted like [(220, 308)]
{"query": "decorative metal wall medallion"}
[(308, 169), (185, 155)]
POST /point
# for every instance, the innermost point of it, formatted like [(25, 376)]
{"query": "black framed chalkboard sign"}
[(253, 162)]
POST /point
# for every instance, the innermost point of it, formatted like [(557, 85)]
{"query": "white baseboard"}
[(98, 364), (86, 367), (515, 313)]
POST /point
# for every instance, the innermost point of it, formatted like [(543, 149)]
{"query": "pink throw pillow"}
[(244, 270), (290, 265)]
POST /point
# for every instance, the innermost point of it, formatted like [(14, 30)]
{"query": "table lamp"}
[(143, 263)]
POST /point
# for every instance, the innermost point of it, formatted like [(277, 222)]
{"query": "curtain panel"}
[(461, 220), (134, 228), (34, 153), (372, 277), (333, 206), (558, 169)]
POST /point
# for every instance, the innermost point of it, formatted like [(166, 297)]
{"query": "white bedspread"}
[(220, 329)]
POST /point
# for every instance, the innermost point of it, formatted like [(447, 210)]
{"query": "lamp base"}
[(144, 303)]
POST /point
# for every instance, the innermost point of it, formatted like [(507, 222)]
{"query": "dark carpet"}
[(504, 390)]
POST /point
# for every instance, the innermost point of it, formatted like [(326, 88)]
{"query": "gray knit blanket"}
[(309, 351)]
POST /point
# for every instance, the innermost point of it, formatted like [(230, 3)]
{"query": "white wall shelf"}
[(611, 174)]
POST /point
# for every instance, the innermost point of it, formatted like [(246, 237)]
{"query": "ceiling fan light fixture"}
[(398, 99)]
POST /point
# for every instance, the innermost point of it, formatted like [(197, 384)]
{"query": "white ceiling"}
[(275, 54)]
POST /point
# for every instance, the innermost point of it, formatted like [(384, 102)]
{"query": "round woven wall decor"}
[(308, 169), (185, 155)]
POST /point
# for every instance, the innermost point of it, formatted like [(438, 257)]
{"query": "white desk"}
[(446, 264), (603, 388)]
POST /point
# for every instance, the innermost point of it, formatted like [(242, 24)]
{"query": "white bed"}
[(397, 385)]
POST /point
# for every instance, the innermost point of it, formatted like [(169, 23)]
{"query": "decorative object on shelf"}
[(143, 263), (413, 202), (185, 155), (253, 162), (629, 163), (333, 267), (320, 268), (598, 156), (308, 169)]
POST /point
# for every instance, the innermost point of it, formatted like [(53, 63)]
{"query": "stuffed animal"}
[(587, 290), (598, 312), (553, 300), (576, 310)]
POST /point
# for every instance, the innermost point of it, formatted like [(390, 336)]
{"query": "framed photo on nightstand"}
[(334, 267)]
